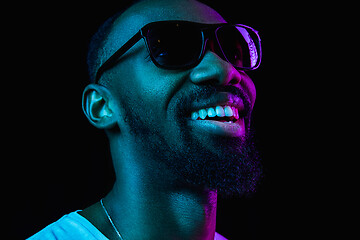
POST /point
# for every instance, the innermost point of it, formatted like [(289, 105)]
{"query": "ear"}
[(96, 104)]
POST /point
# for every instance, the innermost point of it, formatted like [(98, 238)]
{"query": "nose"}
[(215, 71)]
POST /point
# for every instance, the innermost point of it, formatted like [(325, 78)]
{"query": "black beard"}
[(232, 169), (229, 165)]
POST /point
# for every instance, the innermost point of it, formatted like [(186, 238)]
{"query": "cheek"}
[(157, 86), (252, 93), (247, 84), (147, 91)]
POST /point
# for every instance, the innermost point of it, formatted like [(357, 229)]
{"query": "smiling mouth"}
[(223, 120), (219, 113)]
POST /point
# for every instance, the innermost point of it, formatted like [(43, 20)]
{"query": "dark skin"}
[(96, 215), (146, 201)]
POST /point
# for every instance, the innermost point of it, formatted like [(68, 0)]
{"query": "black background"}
[(53, 152)]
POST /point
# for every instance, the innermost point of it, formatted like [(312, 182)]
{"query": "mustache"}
[(202, 93), (183, 104)]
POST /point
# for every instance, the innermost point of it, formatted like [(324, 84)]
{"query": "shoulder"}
[(219, 237), (71, 226)]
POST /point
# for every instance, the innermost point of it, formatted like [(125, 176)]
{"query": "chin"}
[(231, 166)]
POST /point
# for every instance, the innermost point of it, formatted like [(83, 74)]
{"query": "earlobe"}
[(96, 106)]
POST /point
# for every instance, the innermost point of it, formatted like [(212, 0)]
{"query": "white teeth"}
[(211, 112), (220, 111), (236, 113), (194, 115), (228, 111), (202, 113)]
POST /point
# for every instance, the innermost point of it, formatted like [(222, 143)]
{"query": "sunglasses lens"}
[(240, 46), (174, 45)]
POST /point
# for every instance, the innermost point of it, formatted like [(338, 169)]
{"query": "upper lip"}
[(219, 99)]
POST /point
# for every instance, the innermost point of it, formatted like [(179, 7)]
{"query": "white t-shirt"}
[(73, 226)]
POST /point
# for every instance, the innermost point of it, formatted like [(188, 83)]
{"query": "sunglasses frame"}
[(204, 28)]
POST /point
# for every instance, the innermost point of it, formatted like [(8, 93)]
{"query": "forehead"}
[(138, 15), (160, 10)]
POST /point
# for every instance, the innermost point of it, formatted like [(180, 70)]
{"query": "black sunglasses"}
[(182, 45)]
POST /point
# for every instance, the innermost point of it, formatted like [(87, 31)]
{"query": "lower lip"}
[(236, 129)]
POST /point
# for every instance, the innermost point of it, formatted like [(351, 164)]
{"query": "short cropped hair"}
[(96, 51)]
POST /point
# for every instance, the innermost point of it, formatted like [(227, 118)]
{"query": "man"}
[(168, 86)]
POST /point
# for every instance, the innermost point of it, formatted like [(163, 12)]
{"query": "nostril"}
[(212, 82), (234, 81)]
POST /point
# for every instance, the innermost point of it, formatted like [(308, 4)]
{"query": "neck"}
[(144, 204)]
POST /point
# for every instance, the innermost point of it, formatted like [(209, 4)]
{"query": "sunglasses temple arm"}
[(115, 57)]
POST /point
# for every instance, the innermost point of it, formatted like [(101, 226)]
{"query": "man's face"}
[(156, 105)]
